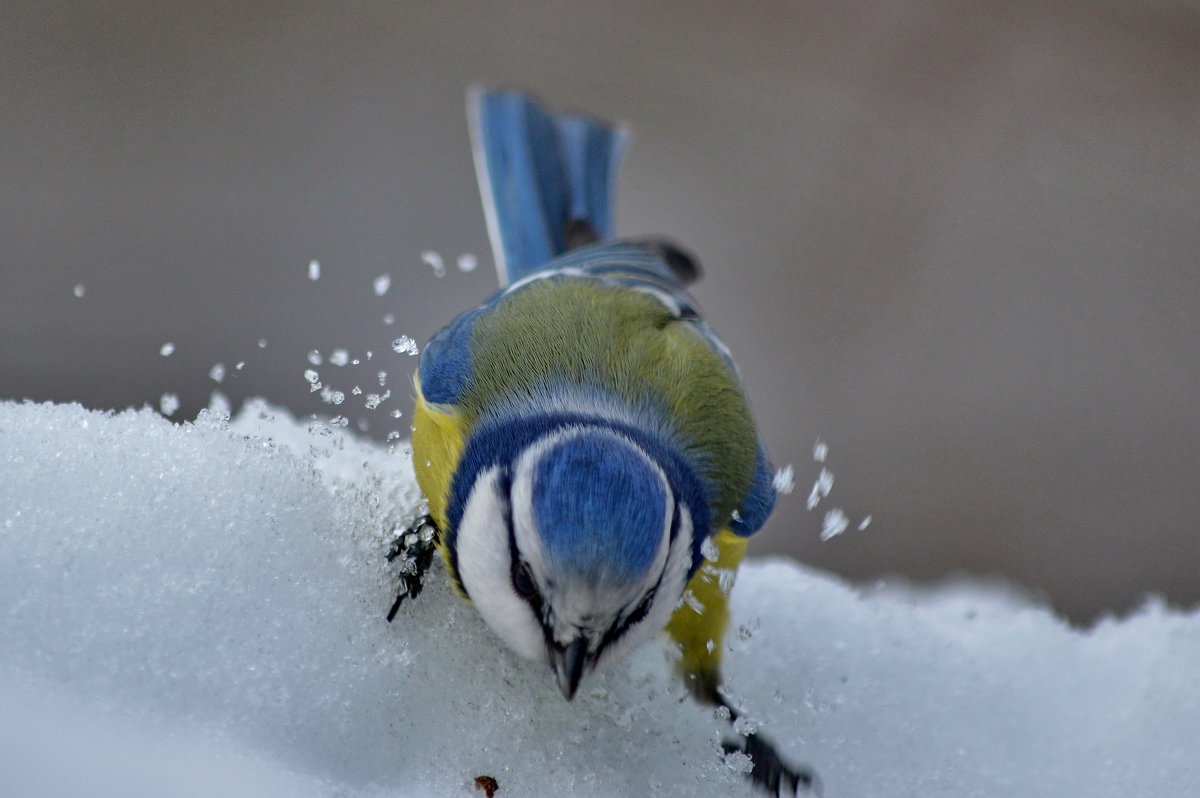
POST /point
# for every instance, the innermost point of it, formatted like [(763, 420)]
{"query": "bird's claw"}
[(413, 548), (769, 772)]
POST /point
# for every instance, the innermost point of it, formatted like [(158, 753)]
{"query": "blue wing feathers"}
[(591, 152), (537, 172), (760, 500), (446, 364)]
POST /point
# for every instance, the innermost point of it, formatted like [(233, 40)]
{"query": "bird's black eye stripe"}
[(622, 625), (642, 609), (522, 579)]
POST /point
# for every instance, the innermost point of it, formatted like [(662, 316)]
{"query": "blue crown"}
[(600, 507)]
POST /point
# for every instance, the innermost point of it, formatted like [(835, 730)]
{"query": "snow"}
[(168, 404), (405, 345), (433, 260), (197, 609), (835, 523), (784, 480), (820, 488)]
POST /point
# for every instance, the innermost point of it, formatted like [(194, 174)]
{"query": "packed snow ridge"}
[(197, 609)]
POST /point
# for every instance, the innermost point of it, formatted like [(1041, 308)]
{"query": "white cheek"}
[(675, 575), (485, 567)]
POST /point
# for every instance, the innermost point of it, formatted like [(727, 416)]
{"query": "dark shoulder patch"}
[(681, 262)]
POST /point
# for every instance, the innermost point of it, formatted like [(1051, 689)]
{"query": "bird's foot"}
[(413, 548), (768, 771)]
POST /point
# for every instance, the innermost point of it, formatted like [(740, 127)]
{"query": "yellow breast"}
[(437, 442)]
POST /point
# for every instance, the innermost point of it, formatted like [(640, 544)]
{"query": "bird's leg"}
[(414, 548), (768, 772)]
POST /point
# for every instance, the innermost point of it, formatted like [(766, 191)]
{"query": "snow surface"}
[(198, 610)]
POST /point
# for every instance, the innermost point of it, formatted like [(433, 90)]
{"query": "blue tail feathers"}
[(539, 172)]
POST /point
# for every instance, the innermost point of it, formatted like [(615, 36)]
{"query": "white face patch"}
[(485, 567), (573, 606)]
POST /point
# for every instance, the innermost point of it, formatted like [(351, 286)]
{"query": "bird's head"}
[(577, 550)]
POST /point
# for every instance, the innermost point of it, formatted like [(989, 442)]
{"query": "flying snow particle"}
[(467, 262), (389, 318), (835, 524), (435, 262), (241, 364), (218, 405), (79, 290), (382, 378), (381, 284), (217, 372), (866, 522), (784, 480), (314, 357), (340, 357), (405, 345), (820, 451), (166, 349), (314, 270), (738, 762), (337, 397), (374, 400), (690, 599), (262, 343), (820, 488), (311, 376), (168, 404)]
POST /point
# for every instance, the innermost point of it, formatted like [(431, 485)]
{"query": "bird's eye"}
[(522, 580)]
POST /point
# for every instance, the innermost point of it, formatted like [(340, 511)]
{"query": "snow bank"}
[(198, 610)]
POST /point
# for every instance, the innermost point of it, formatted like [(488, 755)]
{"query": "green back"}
[(628, 345)]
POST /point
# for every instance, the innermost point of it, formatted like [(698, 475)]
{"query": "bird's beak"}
[(568, 662)]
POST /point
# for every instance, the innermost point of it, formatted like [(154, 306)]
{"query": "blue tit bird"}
[(588, 455)]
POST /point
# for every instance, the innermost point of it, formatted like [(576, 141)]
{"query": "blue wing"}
[(759, 501), (537, 173)]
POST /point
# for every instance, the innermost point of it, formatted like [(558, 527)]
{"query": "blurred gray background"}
[(955, 240)]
